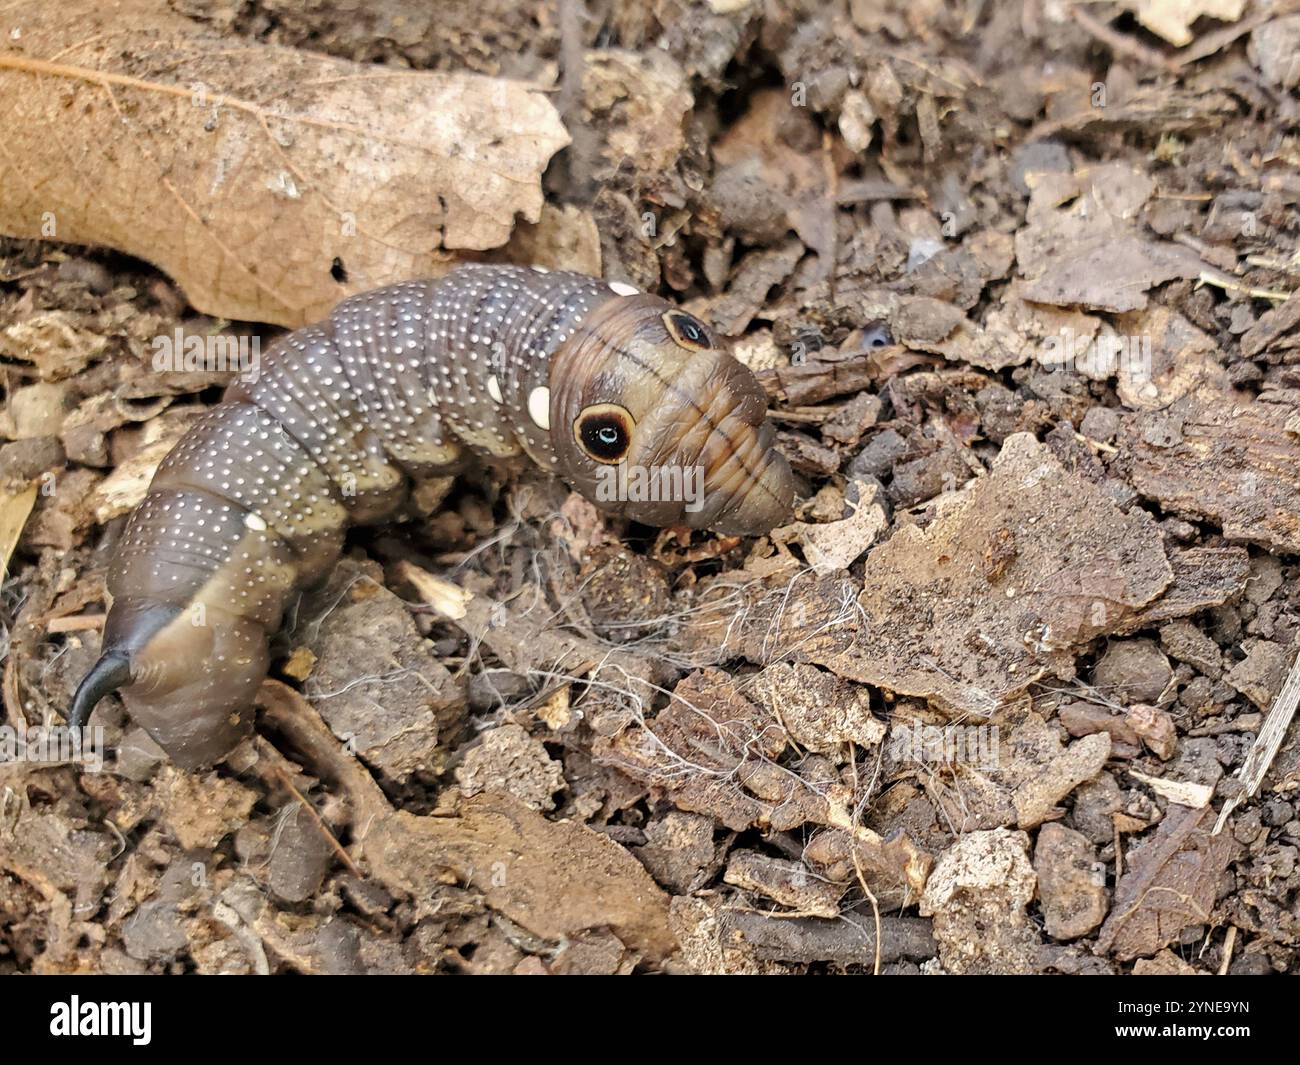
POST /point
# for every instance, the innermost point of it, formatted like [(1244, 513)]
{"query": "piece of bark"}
[(1272, 326), (1260, 674), (1217, 456), (850, 940), (1204, 577), (1036, 797), (789, 884)]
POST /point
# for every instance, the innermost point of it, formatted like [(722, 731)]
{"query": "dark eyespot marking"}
[(687, 331), (878, 336), (604, 432)]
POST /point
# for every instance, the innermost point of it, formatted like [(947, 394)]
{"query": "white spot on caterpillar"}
[(622, 288), (494, 388), (541, 269), (253, 521), (539, 407)]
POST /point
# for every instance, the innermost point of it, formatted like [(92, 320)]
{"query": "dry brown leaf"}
[(1172, 883), (1113, 276), (1036, 798), (818, 709), (835, 545), (1204, 577), (269, 183), (14, 511)]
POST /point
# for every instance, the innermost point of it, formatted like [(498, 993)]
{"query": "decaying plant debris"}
[(1011, 692)]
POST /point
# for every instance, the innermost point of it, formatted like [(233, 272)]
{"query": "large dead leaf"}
[(268, 182)]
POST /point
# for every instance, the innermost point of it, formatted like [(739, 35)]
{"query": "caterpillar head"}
[(652, 418)]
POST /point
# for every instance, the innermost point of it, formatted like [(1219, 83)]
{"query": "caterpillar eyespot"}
[(687, 331), (604, 432)]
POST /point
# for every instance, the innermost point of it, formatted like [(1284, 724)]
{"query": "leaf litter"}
[(1011, 692)]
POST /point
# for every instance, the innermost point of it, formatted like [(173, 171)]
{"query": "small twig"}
[(13, 699), (1269, 262), (1096, 445), (343, 855), (1121, 43)]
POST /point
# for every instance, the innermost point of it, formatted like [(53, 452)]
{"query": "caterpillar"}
[(616, 391)]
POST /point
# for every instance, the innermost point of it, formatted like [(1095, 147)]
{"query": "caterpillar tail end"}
[(111, 672)]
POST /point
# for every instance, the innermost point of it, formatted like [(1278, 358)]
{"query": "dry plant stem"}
[(13, 694), (857, 864), (1231, 286), (1229, 945), (1267, 743), (335, 845)]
